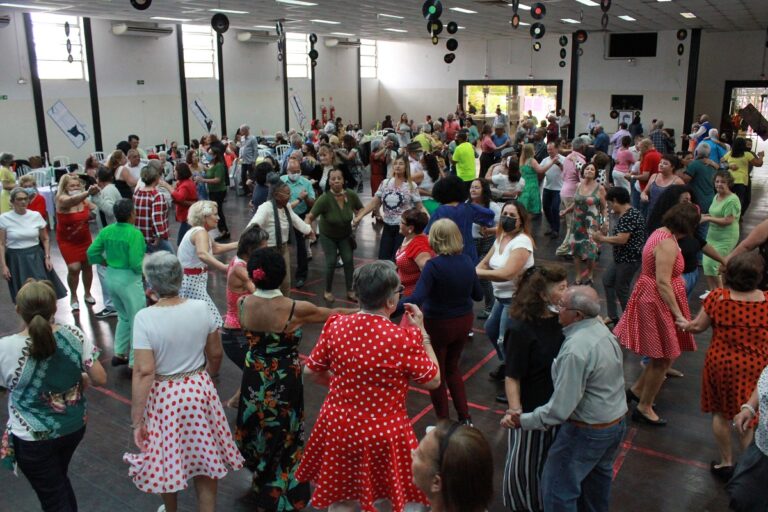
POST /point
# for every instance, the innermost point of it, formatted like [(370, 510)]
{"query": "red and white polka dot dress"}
[(647, 327), (360, 446), (188, 436)]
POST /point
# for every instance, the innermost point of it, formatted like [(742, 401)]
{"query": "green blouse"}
[(336, 222)]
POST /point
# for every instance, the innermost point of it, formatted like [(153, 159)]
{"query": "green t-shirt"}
[(217, 171), (335, 222), (464, 156), (702, 182)]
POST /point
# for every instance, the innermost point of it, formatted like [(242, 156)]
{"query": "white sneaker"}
[(704, 295)]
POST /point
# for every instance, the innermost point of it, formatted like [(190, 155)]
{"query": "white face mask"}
[(294, 176), (553, 308)]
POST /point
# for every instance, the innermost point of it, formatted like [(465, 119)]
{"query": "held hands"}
[(93, 190), (741, 420), (511, 418), (312, 235), (414, 315)]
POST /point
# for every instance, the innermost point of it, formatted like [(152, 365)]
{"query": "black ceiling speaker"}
[(605, 5), (452, 27), (604, 20), (452, 45), (313, 55), (563, 53), (432, 9), (680, 49), (537, 30), (141, 5), (220, 23), (312, 38), (562, 64), (538, 11), (536, 46), (580, 36), (563, 40), (515, 21), (449, 57), (435, 27), (682, 34)]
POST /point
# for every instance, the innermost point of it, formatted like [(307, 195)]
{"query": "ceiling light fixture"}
[(663, 0), (626, 17), (163, 18), (460, 27), (38, 7), (228, 11), (382, 15), (524, 24), (589, 3), (398, 30), (524, 7), (267, 27), (297, 2), (462, 10), (327, 22), (570, 20), (688, 15), (343, 34)]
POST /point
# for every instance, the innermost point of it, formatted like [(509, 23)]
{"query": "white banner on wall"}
[(68, 124), (298, 111), (202, 114)]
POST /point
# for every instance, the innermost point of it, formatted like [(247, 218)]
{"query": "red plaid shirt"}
[(151, 214)]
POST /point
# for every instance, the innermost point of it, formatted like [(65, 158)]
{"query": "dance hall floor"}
[(664, 470)]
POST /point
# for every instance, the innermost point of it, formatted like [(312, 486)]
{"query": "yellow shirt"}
[(6, 177)]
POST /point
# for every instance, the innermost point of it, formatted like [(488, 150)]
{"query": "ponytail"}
[(36, 304)]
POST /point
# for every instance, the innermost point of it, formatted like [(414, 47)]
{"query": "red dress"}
[(405, 258), (647, 327), (737, 354), (360, 446), (73, 235)]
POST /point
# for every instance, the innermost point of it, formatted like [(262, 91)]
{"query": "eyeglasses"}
[(23, 198)]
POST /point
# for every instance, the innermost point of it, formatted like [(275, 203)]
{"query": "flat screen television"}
[(641, 44)]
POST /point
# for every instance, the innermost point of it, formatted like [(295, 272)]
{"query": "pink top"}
[(231, 319), (487, 145), (571, 166), (624, 160)]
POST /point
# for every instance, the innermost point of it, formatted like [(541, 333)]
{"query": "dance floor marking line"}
[(626, 445)]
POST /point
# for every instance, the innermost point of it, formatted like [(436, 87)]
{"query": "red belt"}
[(195, 271), (595, 425)]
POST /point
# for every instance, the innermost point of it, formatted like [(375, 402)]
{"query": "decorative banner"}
[(537, 30), (538, 11), (298, 111), (432, 9), (202, 114), (68, 123)]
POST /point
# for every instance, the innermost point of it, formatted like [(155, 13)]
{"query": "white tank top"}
[(187, 252)]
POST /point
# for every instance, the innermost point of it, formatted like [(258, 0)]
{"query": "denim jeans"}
[(579, 468), (45, 464), (496, 325), (162, 245)]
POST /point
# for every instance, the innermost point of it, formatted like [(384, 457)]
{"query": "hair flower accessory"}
[(258, 274)]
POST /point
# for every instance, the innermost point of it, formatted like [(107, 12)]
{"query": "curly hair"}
[(530, 303)]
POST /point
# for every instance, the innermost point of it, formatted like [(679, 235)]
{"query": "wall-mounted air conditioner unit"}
[(335, 42), (257, 37), (5, 20), (140, 30)]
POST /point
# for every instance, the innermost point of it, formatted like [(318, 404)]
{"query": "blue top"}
[(602, 141), (446, 288), (498, 141), (464, 215), (707, 126)]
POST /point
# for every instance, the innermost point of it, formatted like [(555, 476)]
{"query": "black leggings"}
[(219, 196)]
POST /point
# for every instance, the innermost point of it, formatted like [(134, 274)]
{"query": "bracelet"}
[(750, 409), (426, 340)]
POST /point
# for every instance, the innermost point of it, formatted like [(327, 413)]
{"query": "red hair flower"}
[(258, 274)]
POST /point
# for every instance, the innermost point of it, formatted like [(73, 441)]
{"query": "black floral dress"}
[(270, 419)]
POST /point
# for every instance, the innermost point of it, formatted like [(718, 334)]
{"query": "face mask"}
[(508, 224), (30, 191), (553, 308), (208, 157), (294, 177)]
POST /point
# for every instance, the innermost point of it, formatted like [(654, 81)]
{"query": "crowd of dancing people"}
[(454, 208)]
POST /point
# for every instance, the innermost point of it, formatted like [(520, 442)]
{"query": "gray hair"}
[(659, 124), (578, 144), (585, 300), (151, 172), (436, 125), (163, 273), (16, 191), (296, 139), (702, 151), (245, 127), (199, 211), (426, 128), (713, 134), (6, 159), (375, 283)]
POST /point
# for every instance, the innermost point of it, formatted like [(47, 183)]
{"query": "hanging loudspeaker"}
[(434, 27), (515, 21), (537, 30), (536, 46), (313, 55), (614, 114), (682, 34), (449, 57), (432, 9), (313, 38), (605, 5), (220, 23), (141, 5), (538, 11), (435, 40), (563, 53), (562, 64), (452, 27), (580, 36), (563, 40), (604, 20), (452, 45), (680, 49)]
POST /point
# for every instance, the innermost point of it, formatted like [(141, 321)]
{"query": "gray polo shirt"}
[(248, 150), (588, 377)]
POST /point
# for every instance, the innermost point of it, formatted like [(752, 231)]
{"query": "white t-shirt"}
[(553, 178), (135, 171), (506, 289), (496, 209), (502, 183), (21, 231), (176, 334)]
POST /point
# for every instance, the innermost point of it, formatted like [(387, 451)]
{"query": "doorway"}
[(514, 98), (737, 95)]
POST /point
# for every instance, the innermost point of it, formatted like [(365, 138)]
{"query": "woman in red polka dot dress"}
[(360, 447), (738, 315), (178, 421), (658, 300)]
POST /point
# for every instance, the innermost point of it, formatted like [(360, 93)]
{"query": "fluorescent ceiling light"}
[(163, 18), (297, 2), (345, 34), (626, 17), (19, 6), (268, 27), (228, 11), (462, 10), (524, 24), (524, 7), (570, 20), (688, 15), (327, 22), (382, 15), (663, 0), (461, 28), (399, 30), (590, 3)]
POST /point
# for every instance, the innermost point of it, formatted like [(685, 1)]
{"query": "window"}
[(367, 58), (297, 55), (200, 59), (51, 47)]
